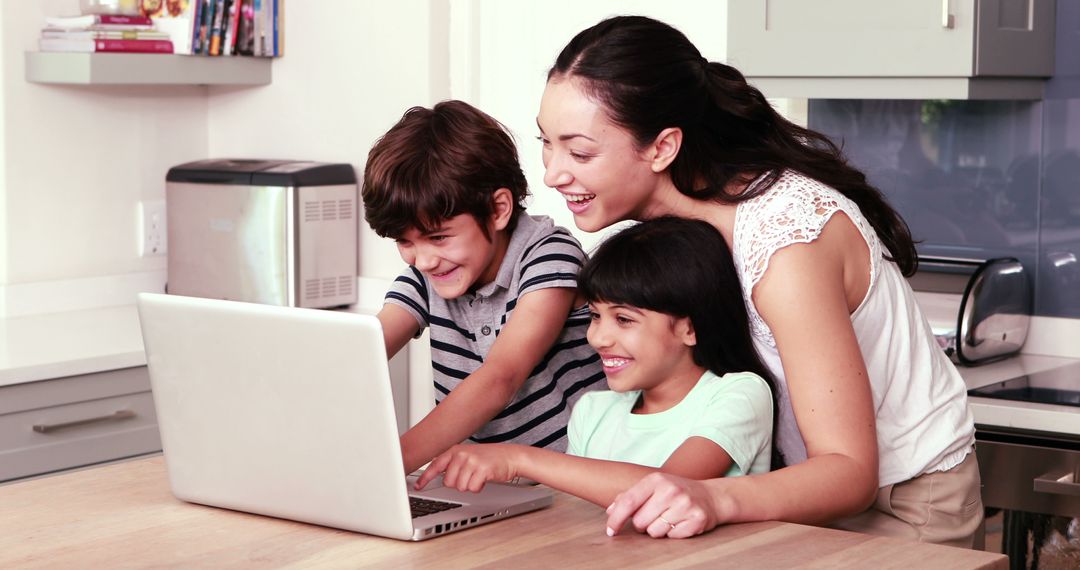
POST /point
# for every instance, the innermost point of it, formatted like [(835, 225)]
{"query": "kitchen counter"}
[(55, 345), (1020, 415), (123, 515)]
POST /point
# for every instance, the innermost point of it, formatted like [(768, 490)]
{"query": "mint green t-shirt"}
[(733, 410)]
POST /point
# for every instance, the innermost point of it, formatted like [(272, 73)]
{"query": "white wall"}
[(75, 161), (4, 72), (350, 70), (501, 52)]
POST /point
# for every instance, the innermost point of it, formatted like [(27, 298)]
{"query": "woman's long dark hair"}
[(649, 77), (683, 268)]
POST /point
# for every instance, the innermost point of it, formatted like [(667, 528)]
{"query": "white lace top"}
[(923, 421)]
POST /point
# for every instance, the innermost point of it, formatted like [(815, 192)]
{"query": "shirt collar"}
[(524, 230)]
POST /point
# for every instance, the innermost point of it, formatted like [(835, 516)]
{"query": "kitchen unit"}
[(74, 390), (920, 49), (1028, 444)]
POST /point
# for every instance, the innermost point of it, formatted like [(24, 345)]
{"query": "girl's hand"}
[(469, 467), (662, 505)]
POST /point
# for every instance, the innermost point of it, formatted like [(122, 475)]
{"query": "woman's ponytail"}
[(650, 77)]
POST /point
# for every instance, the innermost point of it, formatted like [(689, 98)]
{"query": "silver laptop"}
[(288, 412)]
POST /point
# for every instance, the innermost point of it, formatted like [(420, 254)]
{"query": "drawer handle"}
[(948, 21), (1058, 483), (113, 417)]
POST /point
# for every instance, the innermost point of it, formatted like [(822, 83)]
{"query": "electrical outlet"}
[(152, 230)]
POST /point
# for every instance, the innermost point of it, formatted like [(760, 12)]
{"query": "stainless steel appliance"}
[(266, 231), (989, 303)]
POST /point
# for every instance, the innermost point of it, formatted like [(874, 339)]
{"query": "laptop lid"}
[(288, 412), (278, 411)]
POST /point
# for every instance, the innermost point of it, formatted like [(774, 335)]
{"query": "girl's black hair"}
[(683, 268), (649, 77)]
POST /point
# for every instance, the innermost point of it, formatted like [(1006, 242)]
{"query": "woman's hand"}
[(662, 505), (469, 467)]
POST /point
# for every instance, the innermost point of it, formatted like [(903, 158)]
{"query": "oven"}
[(1033, 475)]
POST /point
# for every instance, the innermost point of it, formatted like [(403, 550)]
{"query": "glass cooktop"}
[(1057, 386)]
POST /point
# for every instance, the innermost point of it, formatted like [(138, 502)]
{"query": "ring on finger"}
[(667, 522)]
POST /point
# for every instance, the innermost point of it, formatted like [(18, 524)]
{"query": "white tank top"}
[(923, 420)]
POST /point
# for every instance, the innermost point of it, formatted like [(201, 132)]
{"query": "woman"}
[(873, 418)]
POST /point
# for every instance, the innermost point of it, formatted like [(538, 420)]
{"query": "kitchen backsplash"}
[(976, 179)]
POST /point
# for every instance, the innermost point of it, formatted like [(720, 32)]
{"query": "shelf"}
[(145, 69)]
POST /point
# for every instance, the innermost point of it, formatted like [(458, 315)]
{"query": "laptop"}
[(288, 412)]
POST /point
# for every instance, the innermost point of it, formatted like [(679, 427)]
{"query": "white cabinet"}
[(885, 48), (51, 425)]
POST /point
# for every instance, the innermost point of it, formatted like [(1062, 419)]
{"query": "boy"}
[(496, 286)]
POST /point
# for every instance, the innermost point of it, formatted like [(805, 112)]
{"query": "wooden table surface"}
[(124, 516)]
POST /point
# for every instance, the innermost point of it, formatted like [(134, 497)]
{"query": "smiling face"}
[(595, 164), (457, 256), (644, 350)]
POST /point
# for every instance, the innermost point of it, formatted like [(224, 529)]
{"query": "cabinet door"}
[(1015, 39), (852, 38), (63, 423)]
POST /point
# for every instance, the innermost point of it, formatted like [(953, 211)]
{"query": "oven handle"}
[(1060, 482)]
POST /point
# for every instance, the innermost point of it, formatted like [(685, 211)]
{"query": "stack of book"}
[(238, 27), (103, 33), (190, 27)]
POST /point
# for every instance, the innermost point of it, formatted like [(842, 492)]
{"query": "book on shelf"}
[(230, 31), (206, 22), (279, 28), (267, 28), (245, 33), (195, 24), (100, 21), (217, 27), (174, 17), (105, 45), (61, 34), (190, 27)]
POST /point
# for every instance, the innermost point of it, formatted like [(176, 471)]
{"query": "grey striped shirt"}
[(463, 330)]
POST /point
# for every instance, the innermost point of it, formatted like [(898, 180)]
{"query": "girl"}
[(637, 124), (690, 396)]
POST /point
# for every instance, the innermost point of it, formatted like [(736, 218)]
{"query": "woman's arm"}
[(469, 467), (535, 325), (806, 298)]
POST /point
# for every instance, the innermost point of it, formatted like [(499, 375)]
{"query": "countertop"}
[(124, 515), (1023, 415), (43, 347)]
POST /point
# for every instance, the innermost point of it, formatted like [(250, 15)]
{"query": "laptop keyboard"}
[(422, 507)]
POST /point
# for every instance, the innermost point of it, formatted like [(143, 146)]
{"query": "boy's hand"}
[(469, 467)]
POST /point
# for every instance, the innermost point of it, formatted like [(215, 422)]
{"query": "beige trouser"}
[(943, 507)]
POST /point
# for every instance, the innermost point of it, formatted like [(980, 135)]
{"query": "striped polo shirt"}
[(463, 330)]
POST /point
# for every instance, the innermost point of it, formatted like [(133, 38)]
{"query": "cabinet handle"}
[(1062, 482), (948, 21), (113, 417)]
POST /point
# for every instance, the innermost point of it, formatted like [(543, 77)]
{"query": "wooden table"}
[(123, 516)]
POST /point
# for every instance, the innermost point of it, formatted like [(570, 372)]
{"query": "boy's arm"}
[(535, 325), (468, 467), (399, 327)]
